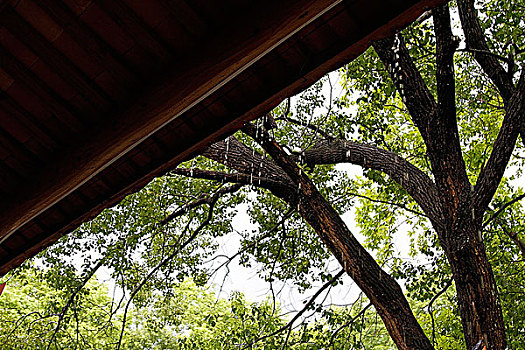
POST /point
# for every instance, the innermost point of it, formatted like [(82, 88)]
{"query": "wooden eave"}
[(98, 97)]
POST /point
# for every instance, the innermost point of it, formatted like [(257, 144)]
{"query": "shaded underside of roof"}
[(98, 97)]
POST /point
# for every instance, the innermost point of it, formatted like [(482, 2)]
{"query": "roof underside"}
[(98, 97)]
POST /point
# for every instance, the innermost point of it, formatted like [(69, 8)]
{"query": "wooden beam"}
[(20, 153), (186, 16), (53, 101), (263, 28), (100, 51), (52, 57), (139, 31), (17, 115)]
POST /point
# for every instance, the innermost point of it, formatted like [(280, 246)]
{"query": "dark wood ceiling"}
[(98, 97)]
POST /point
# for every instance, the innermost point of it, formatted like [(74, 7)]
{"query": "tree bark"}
[(476, 40), (478, 297), (418, 185)]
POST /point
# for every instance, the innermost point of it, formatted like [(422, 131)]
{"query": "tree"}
[(191, 318), (436, 121), (33, 304)]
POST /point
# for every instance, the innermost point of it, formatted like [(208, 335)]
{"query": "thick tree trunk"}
[(476, 288), (382, 290)]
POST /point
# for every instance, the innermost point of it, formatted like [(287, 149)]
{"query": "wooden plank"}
[(218, 63), (100, 51), (14, 116), (23, 156), (45, 51), (8, 178), (54, 101), (133, 25), (193, 23)]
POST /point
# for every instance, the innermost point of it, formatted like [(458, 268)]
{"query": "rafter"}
[(51, 56)]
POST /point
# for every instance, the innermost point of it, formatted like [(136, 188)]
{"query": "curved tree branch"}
[(274, 183), (236, 155), (414, 181), (406, 77), (490, 176), (241, 158), (436, 122)]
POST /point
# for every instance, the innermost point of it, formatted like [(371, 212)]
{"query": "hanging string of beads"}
[(192, 167), (227, 151), (396, 69), (257, 134)]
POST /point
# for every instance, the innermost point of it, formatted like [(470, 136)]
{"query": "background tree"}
[(432, 116), (191, 318)]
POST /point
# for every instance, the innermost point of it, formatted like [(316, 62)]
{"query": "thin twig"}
[(286, 216), (308, 125), (164, 261), (202, 199), (302, 311), (22, 319), (500, 210), (514, 237), (71, 300), (332, 338), (431, 312), (386, 202)]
